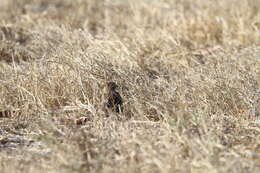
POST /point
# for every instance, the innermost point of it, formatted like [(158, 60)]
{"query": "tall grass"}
[(188, 73)]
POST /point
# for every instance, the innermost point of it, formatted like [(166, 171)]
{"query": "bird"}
[(114, 100)]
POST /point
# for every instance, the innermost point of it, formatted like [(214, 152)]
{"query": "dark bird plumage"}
[(114, 101)]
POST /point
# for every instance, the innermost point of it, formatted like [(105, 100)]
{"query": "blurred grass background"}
[(188, 72)]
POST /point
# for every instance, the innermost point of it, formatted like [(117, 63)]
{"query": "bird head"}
[(112, 86)]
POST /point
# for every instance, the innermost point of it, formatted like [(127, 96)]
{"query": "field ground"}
[(188, 73)]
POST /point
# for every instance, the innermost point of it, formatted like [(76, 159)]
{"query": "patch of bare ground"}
[(187, 74)]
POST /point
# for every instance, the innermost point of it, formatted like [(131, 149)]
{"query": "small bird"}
[(114, 101)]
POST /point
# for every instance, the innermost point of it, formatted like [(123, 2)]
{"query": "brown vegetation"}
[(188, 73)]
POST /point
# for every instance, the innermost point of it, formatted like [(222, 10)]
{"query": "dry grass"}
[(188, 73)]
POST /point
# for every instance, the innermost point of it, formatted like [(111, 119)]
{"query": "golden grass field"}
[(188, 73)]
